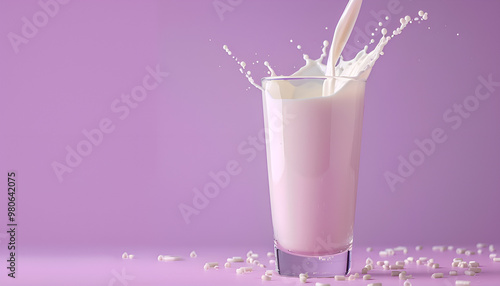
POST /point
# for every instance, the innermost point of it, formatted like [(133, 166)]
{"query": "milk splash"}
[(359, 67)]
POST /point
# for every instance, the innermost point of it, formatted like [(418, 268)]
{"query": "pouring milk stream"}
[(340, 37)]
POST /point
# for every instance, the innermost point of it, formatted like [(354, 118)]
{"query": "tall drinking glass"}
[(313, 146)]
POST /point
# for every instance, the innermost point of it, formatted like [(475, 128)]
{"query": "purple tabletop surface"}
[(106, 267)]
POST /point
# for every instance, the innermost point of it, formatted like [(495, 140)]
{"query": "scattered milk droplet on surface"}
[(421, 13), (387, 17), (380, 24), (299, 47)]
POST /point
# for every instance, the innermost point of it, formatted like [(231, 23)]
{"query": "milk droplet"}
[(326, 28), (230, 53), (291, 41), (249, 72), (407, 18), (387, 17), (415, 19), (372, 41), (458, 34), (384, 31), (380, 24), (270, 69), (299, 47), (225, 47), (425, 16), (243, 64), (421, 13), (373, 34), (323, 51)]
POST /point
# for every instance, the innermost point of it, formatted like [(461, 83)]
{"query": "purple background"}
[(127, 192)]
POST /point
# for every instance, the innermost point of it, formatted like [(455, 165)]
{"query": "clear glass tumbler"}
[(313, 147)]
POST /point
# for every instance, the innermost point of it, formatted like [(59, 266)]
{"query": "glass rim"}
[(268, 78)]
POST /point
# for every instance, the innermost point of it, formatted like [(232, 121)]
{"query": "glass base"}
[(288, 264)]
